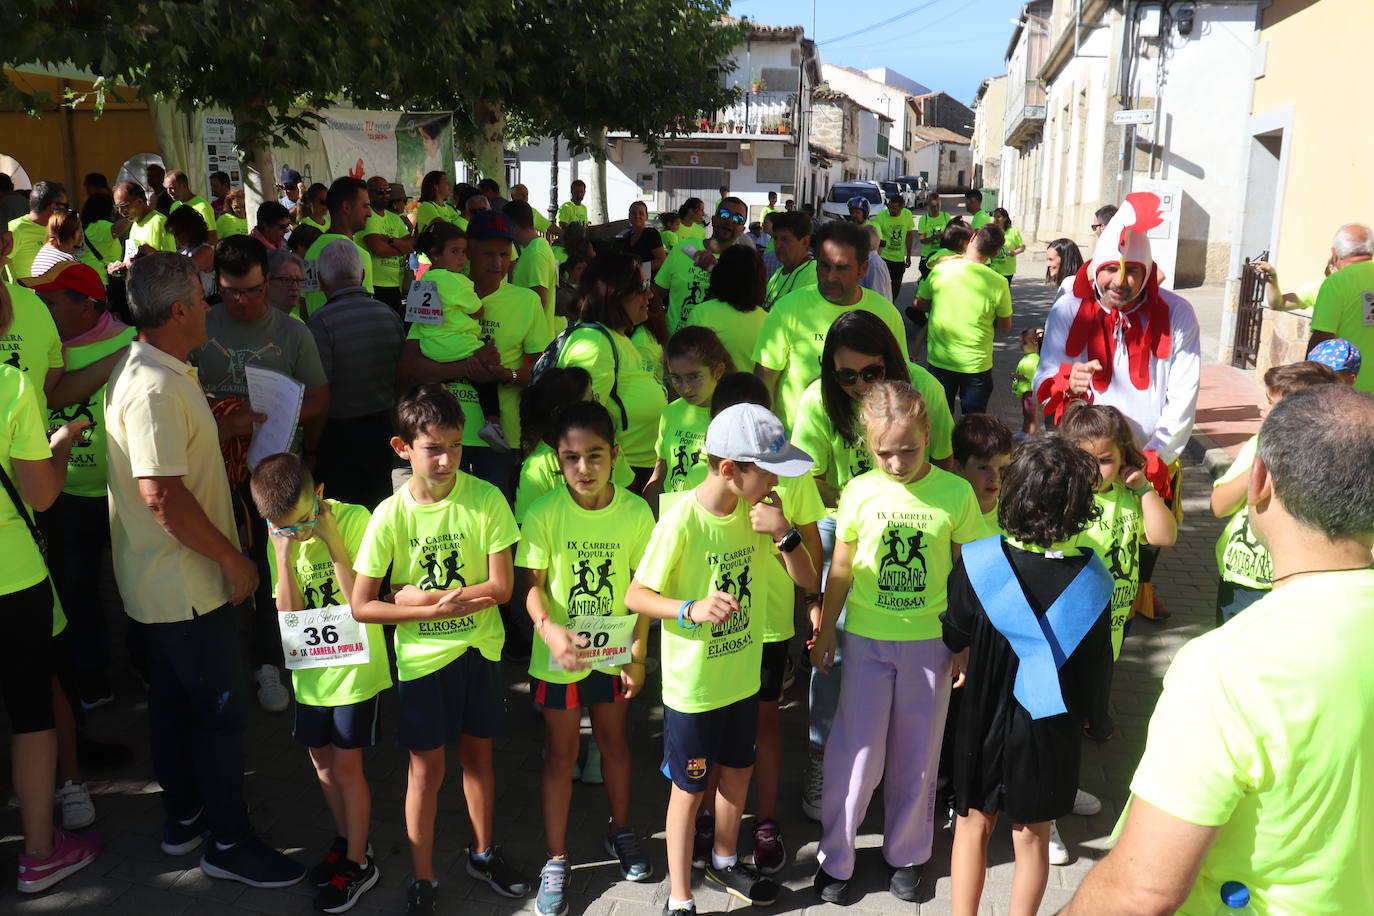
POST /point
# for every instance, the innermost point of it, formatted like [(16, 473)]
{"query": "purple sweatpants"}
[(891, 717)]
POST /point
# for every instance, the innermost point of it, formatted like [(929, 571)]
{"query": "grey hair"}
[(156, 282), (1353, 240), (278, 257), (1316, 444), (340, 265)]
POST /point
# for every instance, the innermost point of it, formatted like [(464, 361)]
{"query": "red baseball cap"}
[(72, 275)]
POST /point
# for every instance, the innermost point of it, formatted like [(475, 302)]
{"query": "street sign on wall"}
[(1134, 116)]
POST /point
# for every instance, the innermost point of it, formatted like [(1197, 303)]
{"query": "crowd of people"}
[(706, 451)]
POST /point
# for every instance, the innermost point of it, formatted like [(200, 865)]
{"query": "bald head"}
[(1353, 242), (378, 183)]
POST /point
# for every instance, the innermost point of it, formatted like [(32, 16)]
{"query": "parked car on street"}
[(836, 204)]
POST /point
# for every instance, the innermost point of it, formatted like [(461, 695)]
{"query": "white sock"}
[(688, 904), (719, 862)]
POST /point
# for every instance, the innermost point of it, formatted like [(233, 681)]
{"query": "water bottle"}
[(1235, 900)]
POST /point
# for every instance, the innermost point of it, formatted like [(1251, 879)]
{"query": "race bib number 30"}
[(423, 305), (608, 640), (323, 638)]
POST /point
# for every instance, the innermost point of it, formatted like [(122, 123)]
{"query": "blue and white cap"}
[(1336, 354), (748, 432)]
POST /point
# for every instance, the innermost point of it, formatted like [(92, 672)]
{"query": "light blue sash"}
[(1042, 644)]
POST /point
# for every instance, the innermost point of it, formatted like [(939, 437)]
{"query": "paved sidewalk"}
[(133, 877)]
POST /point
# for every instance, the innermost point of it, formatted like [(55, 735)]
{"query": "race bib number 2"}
[(608, 640), (423, 305), (323, 638)]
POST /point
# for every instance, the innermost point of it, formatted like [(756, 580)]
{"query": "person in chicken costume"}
[(1116, 338)]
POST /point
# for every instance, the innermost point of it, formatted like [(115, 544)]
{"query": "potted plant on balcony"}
[(757, 86)]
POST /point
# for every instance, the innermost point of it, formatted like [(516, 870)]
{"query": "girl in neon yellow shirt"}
[(696, 361), (898, 531), (579, 548)]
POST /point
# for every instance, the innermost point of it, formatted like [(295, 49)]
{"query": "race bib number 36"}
[(323, 638), (423, 305), (608, 640)]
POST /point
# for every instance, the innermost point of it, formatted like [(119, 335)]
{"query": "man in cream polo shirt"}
[(177, 560)]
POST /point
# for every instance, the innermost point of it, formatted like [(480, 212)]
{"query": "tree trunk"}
[(598, 212), (490, 147), (259, 170)]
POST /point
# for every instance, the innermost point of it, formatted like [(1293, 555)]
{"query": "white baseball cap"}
[(748, 432)]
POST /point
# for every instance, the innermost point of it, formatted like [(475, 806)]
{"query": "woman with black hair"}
[(643, 240), (614, 297), (733, 307), (101, 248), (1062, 263)]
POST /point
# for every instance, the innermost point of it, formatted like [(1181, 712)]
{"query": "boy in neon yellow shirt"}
[(445, 537), (895, 225), (314, 540), (712, 545)]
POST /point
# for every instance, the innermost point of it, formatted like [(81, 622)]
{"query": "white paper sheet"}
[(279, 397)]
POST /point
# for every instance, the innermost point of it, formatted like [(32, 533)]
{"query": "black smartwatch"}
[(790, 541)]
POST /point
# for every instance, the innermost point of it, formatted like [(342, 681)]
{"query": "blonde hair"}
[(889, 402)]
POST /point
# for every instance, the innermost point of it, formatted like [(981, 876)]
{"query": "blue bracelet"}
[(682, 619)]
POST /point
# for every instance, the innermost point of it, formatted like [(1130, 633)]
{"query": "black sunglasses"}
[(848, 378), (738, 219)]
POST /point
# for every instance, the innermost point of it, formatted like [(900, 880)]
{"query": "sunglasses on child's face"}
[(736, 218), (848, 378)]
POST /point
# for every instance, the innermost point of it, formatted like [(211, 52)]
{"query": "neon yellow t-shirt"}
[(685, 282), (100, 238), (696, 231), (31, 343), (428, 211), (1265, 729), (840, 461), (894, 230), (541, 222), (737, 330), (315, 299), (1241, 558), (669, 239), (310, 221), (1025, 372), (681, 436), (538, 267), (86, 469), (980, 219), (966, 297), (457, 338), (904, 536), (801, 505), (793, 337), (991, 526), (1006, 265), (570, 212), (783, 282), (386, 271), (201, 206), (590, 557), (1115, 536), (436, 547), (691, 554), (1345, 307), (640, 393), (22, 436), (314, 572), (228, 225), (152, 231), (931, 226), (650, 351), (540, 473), (28, 239), (513, 320)]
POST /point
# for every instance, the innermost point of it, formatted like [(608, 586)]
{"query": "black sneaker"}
[(624, 845), (422, 899), (179, 839), (831, 889), (741, 881), (679, 911), (252, 862), (349, 883), (492, 868), (904, 882), (703, 840), (323, 871)]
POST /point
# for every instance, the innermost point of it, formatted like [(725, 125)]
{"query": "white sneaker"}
[(815, 781), (78, 811), (1059, 853), (1085, 804), (591, 771), (272, 693)]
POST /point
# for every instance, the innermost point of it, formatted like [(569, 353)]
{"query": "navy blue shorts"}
[(693, 742), (348, 727), (772, 670), (596, 687), (464, 697)]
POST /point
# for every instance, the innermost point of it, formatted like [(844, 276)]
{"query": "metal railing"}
[(1249, 315), (755, 113)]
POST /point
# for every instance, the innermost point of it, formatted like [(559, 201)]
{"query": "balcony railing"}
[(755, 114), (1026, 121)]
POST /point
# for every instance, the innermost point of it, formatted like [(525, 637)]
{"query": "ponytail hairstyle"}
[(863, 332), (889, 402), (607, 282), (588, 415), (956, 236), (1083, 422), (436, 236), (429, 187), (542, 401), (700, 344)]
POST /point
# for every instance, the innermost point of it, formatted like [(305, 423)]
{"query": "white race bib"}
[(310, 283), (608, 640), (423, 305), (326, 637), (130, 249), (1368, 298)]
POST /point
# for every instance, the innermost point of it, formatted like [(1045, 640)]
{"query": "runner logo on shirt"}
[(1245, 556), (901, 563), (82, 410), (734, 577), (592, 590), (321, 589), (684, 459), (1122, 559)]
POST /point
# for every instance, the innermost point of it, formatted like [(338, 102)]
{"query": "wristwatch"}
[(790, 541)]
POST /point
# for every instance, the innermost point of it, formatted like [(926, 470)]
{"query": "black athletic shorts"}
[(693, 742)]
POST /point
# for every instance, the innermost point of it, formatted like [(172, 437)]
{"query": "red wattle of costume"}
[(1093, 331)]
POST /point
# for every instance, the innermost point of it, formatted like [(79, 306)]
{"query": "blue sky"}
[(949, 45)]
